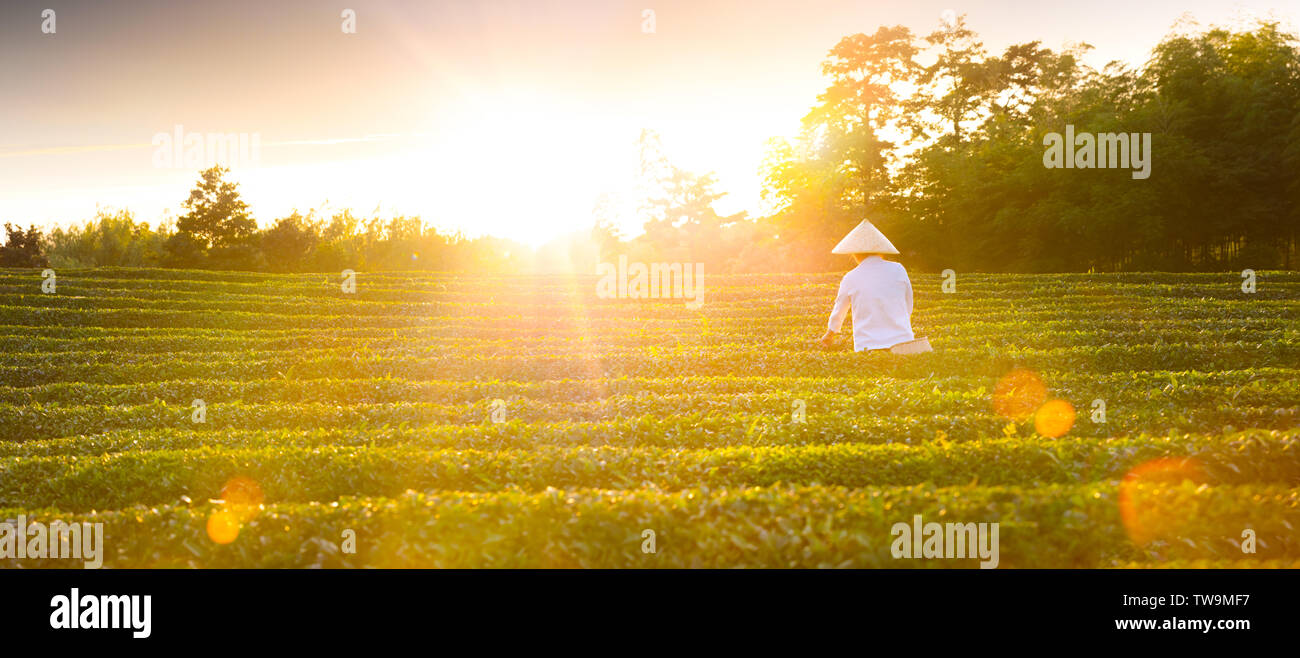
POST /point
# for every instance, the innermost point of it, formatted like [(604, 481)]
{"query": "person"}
[(877, 290)]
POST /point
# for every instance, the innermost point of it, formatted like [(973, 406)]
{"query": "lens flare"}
[(1054, 418), (241, 499), (223, 526), (242, 496), (1144, 522), (1018, 394)]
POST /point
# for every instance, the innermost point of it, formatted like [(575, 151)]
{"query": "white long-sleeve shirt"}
[(880, 295)]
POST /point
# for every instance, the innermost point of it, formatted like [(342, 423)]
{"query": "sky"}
[(507, 118)]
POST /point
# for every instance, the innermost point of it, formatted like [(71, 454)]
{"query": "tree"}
[(216, 216), (675, 207), (23, 248), (837, 171), (184, 251), (957, 84), (287, 245)]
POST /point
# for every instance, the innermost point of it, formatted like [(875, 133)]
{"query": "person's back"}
[(877, 291), (879, 294)]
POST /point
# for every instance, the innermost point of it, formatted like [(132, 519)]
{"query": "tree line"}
[(218, 232), (957, 173)]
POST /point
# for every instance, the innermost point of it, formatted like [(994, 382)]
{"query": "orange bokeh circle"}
[(1054, 418), (242, 496), (1143, 521), (1018, 394), (223, 526)]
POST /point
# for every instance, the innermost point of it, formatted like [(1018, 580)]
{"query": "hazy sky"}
[(488, 116)]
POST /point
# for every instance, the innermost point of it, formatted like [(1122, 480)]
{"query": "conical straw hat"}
[(865, 239)]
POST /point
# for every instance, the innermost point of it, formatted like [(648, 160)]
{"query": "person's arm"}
[(908, 281), (841, 311)]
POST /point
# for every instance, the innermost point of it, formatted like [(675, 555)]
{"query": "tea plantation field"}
[(436, 420)]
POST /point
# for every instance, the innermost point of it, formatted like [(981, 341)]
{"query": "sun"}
[(520, 166), (518, 163)]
